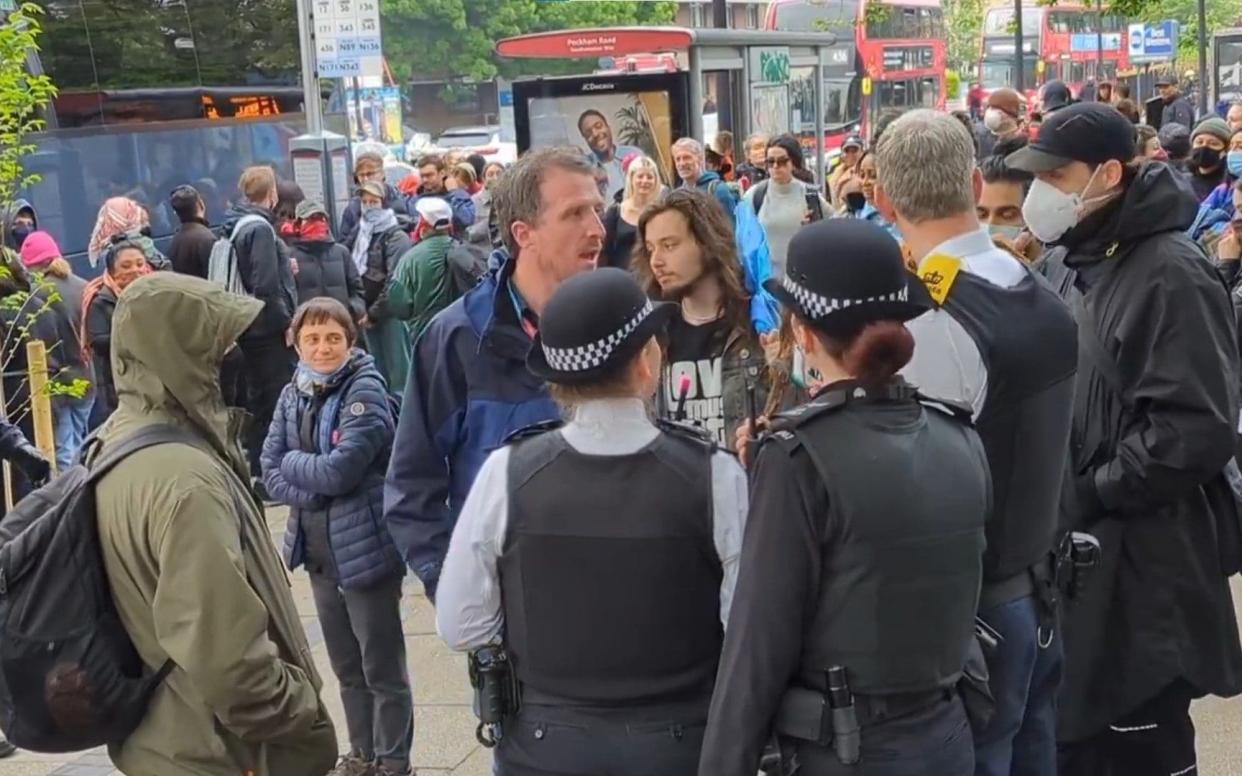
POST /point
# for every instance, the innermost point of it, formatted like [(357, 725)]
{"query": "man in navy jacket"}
[(469, 387)]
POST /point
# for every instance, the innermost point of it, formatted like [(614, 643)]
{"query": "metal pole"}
[(1099, 47), (362, 131), (312, 100), (1203, 74), (696, 93), (1018, 52), (821, 179)]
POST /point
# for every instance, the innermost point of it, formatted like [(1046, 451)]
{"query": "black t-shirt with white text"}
[(697, 352)]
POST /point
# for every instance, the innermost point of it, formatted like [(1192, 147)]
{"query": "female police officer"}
[(861, 563), (602, 554)]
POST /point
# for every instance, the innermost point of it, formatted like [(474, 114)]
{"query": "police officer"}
[(601, 554), (862, 562)]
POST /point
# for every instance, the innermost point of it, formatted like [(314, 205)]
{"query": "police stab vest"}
[(1029, 344), (609, 572), (902, 543)]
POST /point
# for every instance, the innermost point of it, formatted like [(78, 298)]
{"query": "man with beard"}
[(469, 387), (685, 252), (435, 172), (604, 150), (1155, 416)]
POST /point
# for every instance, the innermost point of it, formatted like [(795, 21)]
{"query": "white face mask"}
[(994, 119), (1006, 231), (1050, 212)]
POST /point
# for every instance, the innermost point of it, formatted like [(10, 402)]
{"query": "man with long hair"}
[(686, 253)]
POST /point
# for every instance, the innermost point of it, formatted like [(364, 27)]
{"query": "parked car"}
[(488, 140)]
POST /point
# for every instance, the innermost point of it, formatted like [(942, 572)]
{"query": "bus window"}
[(929, 91), (806, 16), (842, 102), (1078, 73), (999, 21)]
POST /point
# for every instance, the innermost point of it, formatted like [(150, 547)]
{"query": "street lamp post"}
[(1018, 49), (1099, 45), (1203, 73)]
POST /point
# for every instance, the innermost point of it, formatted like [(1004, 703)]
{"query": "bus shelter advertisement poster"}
[(379, 109), (607, 118), (607, 128)]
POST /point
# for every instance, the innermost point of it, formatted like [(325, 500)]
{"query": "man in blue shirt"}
[(469, 387), (604, 150)]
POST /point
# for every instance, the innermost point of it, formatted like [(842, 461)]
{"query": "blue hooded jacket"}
[(337, 485), (710, 182), (468, 389)]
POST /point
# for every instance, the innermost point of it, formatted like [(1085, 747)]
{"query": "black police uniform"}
[(862, 555), (612, 607)]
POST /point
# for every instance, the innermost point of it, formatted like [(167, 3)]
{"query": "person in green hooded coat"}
[(189, 557)]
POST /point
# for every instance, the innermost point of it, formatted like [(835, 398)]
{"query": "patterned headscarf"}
[(117, 216)]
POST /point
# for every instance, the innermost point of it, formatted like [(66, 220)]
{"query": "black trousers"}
[(569, 741), (269, 365), (1156, 739)]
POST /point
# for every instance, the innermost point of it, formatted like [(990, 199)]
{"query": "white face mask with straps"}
[(1050, 213)]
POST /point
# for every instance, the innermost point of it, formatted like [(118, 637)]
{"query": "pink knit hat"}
[(38, 249)]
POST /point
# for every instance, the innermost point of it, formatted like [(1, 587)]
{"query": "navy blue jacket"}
[(461, 203), (393, 199), (468, 390), (340, 482)]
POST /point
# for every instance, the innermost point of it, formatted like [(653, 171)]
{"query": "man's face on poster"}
[(596, 132)]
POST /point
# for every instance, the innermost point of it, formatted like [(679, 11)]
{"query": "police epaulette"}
[(533, 430), (685, 430), (825, 402), (962, 412)]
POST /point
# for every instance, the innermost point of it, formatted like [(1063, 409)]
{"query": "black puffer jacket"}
[(326, 269), (385, 250), (1147, 463), (262, 262)]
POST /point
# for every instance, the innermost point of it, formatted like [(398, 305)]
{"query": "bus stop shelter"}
[(745, 56)]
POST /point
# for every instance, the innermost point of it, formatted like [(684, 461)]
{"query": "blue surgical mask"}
[(308, 379), (1006, 231), (1234, 161), (803, 376)]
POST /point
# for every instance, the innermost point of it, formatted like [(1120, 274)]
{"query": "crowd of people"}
[(919, 469)]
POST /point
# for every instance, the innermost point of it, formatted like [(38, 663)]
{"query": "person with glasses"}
[(369, 168), (787, 200)]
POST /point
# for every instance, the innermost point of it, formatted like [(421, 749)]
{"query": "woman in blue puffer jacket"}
[(325, 456)]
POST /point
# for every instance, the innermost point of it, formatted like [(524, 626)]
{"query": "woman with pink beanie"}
[(41, 256)]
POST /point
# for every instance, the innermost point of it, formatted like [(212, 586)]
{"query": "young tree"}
[(22, 96)]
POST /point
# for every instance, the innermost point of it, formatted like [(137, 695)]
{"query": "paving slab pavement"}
[(444, 743)]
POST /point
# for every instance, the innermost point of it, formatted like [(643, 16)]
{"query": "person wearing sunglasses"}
[(787, 200)]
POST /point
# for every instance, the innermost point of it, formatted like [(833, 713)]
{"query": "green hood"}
[(169, 336)]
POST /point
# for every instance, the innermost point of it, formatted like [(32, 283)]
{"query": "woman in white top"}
[(642, 187), (787, 199)]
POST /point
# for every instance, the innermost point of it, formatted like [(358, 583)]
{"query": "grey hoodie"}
[(9, 214)]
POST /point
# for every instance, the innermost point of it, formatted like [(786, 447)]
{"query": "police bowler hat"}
[(593, 325), (844, 273)]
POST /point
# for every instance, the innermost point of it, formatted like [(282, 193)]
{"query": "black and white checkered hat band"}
[(585, 357), (817, 306)]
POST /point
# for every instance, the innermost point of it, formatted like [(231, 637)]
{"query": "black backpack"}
[(812, 200), (467, 264), (70, 678)]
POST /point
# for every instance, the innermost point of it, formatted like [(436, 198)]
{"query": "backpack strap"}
[(149, 436), (761, 191), (246, 221)]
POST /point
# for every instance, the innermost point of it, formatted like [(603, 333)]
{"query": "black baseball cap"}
[(852, 141), (1091, 132), (1166, 80)]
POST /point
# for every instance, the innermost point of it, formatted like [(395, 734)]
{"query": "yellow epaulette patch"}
[(938, 272)]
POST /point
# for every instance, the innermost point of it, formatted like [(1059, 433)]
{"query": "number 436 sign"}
[(347, 38)]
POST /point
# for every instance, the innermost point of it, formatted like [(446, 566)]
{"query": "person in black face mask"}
[(18, 222), (1208, 143)]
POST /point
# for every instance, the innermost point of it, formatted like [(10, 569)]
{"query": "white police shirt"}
[(947, 363), (469, 614)]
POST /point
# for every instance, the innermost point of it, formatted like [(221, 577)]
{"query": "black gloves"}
[(30, 460)]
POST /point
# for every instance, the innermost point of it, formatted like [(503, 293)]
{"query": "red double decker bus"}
[(891, 54), (1061, 42)]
